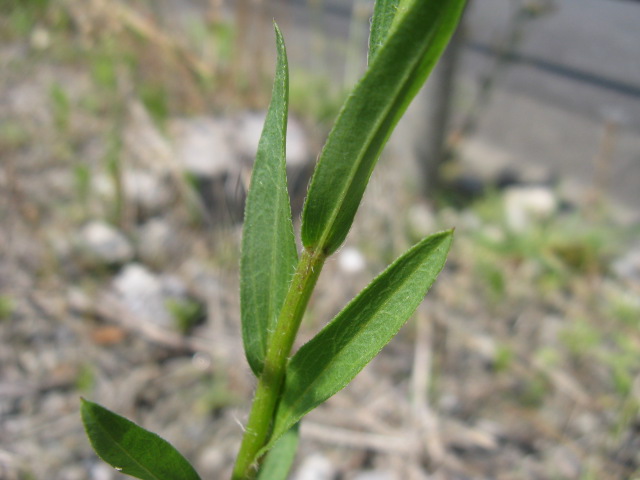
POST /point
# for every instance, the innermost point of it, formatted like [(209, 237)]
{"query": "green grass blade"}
[(384, 12), (278, 461), (368, 117), (131, 449), (269, 254), (328, 362)]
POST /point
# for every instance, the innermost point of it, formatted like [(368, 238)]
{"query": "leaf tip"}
[(276, 28), (84, 406)]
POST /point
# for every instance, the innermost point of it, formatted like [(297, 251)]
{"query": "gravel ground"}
[(521, 364)]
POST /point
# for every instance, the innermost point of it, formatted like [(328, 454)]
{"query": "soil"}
[(522, 363)]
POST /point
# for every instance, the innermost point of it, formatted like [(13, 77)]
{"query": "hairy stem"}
[(270, 383)]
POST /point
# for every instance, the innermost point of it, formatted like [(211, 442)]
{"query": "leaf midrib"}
[(281, 121), (123, 450)]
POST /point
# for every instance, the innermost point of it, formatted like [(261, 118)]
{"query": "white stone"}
[(40, 38), (469, 220), (79, 301), (350, 260), (203, 146), (490, 163), (143, 189), (526, 205), (136, 279), (247, 133), (73, 472), (247, 136), (627, 267), (154, 239), (484, 159), (212, 459), (144, 143), (147, 191), (315, 467), (297, 143), (494, 233), (102, 185), (102, 471), (375, 475), (420, 220), (145, 294), (207, 284), (563, 462), (105, 244)]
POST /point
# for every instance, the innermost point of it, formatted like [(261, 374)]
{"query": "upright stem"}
[(271, 380)]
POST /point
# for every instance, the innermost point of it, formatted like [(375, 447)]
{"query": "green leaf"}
[(372, 110), (328, 362), (269, 255), (131, 449), (384, 12), (403, 7), (278, 461)]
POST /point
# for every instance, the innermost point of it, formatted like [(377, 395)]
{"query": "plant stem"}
[(270, 383)]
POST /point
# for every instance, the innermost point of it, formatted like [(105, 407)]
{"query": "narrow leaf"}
[(372, 110), (131, 449), (383, 13), (328, 362), (278, 461), (403, 7), (269, 252)]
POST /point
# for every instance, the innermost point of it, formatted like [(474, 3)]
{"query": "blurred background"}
[(127, 133)]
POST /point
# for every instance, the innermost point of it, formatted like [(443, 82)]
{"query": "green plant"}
[(13, 136), (154, 97), (7, 307), (625, 310), (22, 15), (85, 379), (186, 313), (580, 338), (103, 71), (113, 164), (61, 106), (314, 97), (533, 390), (407, 38), (82, 183), (503, 358)]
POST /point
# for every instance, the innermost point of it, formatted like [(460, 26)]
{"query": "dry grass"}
[(522, 364)]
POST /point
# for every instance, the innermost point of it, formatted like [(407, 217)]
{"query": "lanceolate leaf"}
[(269, 252), (131, 449), (328, 362), (278, 461), (383, 14), (403, 7), (368, 117)]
